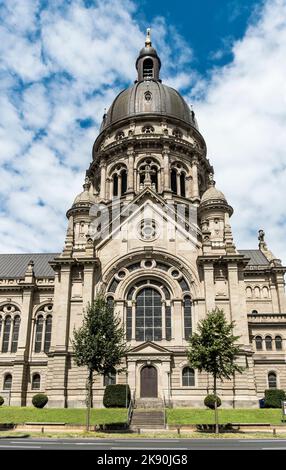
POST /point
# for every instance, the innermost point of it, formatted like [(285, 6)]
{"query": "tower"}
[(153, 232)]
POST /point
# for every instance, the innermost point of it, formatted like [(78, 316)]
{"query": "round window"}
[(148, 230)]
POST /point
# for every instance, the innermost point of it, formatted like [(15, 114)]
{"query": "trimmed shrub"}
[(116, 396), (209, 401), (40, 400), (1, 401), (273, 398)]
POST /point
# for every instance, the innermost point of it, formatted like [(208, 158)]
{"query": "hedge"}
[(273, 398), (116, 396)]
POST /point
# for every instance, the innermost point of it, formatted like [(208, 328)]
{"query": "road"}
[(142, 444)]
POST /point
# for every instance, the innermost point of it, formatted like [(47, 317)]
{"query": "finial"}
[(261, 235), (211, 179), (86, 185), (148, 42)]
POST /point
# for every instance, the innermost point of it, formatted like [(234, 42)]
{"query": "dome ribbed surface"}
[(161, 100), (212, 194)]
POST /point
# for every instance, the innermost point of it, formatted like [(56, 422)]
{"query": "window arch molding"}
[(36, 381), (155, 271), (43, 320), (258, 343), (272, 379), (10, 321), (118, 175), (188, 376), (7, 381)]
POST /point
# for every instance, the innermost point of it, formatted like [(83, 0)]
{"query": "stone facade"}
[(151, 230)]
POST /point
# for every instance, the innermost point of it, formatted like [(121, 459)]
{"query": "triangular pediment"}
[(148, 348), (145, 203)]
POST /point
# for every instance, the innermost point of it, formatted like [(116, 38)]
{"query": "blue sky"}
[(209, 26), (62, 63)]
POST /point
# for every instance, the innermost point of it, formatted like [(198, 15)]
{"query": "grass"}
[(185, 416), (17, 414), (149, 435), (177, 416)]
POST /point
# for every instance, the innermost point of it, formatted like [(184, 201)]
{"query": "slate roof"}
[(15, 265), (257, 258)]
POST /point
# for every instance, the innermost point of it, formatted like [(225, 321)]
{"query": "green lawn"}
[(17, 414), (185, 416)]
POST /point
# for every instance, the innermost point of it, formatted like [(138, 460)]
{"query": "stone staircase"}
[(148, 413)]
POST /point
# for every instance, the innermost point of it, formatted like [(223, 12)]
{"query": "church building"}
[(153, 232)]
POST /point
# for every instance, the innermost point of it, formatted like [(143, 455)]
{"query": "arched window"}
[(115, 185), (6, 334), (148, 324), (258, 343), (123, 182), (183, 184), (272, 380), (268, 343), (254, 312), (188, 377), (174, 181), (15, 335), (36, 382), (39, 333), (278, 343), (148, 69), (48, 333), (109, 378), (7, 384), (187, 317)]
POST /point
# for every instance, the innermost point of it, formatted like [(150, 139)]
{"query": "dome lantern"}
[(148, 63)]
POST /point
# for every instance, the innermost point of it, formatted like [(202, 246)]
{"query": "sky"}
[(63, 62)]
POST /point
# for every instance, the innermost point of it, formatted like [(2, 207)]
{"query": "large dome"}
[(149, 97)]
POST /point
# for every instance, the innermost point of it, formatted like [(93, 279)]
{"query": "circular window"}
[(148, 230), (175, 273), (148, 264), (121, 274)]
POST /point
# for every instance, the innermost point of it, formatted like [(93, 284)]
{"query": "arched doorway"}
[(149, 382)]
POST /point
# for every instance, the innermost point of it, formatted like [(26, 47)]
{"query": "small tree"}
[(99, 344), (213, 350)]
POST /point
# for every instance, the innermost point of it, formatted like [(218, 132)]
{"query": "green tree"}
[(99, 344), (213, 350)]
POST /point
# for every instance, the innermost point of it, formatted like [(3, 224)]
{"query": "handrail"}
[(164, 403), (130, 409)]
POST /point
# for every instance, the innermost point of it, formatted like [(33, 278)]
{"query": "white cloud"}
[(61, 63), (242, 116), (64, 62)]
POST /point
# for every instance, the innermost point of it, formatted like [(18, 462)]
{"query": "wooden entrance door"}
[(149, 382)]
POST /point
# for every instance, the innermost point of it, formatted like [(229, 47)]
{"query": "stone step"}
[(153, 403), (144, 419)]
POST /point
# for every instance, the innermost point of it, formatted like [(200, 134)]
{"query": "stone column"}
[(102, 180), (133, 320), (20, 369), (178, 184), (177, 324), (57, 368), (281, 292), (195, 192), (209, 286), (88, 285), (163, 320), (119, 185), (166, 170), (130, 182), (237, 312)]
